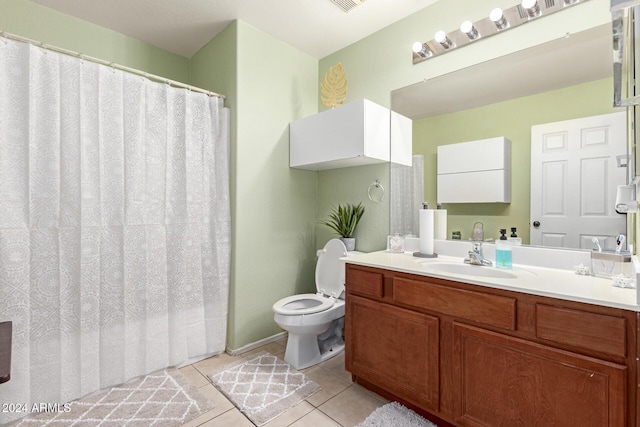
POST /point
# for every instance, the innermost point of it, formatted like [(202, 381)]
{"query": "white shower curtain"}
[(407, 196), (114, 224)]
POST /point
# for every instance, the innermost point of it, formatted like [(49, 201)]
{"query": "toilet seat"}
[(329, 282), (303, 304)]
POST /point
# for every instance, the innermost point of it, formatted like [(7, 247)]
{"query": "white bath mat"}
[(396, 415), (164, 398), (263, 386)]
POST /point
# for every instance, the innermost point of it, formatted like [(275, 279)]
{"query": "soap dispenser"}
[(514, 239), (503, 251)]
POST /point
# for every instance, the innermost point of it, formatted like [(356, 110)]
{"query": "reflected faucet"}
[(476, 256)]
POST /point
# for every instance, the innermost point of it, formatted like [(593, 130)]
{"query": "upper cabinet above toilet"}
[(355, 134), (475, 171)]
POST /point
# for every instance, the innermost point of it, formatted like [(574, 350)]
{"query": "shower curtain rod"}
[(110, 64)]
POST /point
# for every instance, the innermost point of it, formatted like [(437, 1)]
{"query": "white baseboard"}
[(254, 345)]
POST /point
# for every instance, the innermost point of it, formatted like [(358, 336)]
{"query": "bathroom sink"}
[(468, 270)]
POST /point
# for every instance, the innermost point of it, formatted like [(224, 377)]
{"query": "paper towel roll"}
[(426, 231), (440, 224)]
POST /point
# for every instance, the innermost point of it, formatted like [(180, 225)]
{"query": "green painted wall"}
[(512, 119), (27, 19), (350, 185), (215, 67), (275, 207)]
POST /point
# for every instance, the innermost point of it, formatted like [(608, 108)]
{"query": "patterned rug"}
[(164, 398), (396, 415), (263, 386)]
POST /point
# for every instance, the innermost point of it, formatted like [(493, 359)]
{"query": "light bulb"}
[(441, 37), (532, 8), (471, 31), (421, 50), (497, 16)]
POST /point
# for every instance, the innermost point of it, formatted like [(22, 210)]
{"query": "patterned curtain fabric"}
[(407, 195), (114, 224)]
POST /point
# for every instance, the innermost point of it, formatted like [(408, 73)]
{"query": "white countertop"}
[(549, 282)]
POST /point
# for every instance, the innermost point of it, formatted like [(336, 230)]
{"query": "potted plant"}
[(343, 220)]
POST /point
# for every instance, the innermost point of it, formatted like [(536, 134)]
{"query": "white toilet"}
[(315, 321)]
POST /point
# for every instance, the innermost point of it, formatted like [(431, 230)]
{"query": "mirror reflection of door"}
[(574, 178)]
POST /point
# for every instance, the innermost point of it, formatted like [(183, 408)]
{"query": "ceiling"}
[(317, 27)]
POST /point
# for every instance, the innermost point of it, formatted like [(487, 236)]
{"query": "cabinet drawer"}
[(590, 331), (491, 310), (364, 282)]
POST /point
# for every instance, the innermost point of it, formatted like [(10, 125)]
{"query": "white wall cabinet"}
[(401, 139), (355, 134), (475, 172)]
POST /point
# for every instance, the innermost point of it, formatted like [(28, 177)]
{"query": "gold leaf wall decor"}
[(333, 89)]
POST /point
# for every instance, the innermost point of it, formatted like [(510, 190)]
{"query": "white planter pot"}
[(349, 242)]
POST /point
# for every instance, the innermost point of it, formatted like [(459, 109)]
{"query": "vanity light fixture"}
[(421, 49), (498, 21), (532, 8), (470, 30), (441, 37), (497, 16)]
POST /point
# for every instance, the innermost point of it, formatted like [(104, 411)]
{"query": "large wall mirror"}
[(562, 80)]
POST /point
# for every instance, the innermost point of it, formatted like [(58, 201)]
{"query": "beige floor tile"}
[(206, 366), (232, 418), (220, 402), (374, 394), (291, 415), (220, 406), (352, 406), (331, 385), (315, 418), (335, 365), (193, 375)]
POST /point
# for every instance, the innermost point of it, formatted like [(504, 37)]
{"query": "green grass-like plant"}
[(344, 219)]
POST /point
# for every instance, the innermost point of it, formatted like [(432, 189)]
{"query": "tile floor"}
[(339, 403)]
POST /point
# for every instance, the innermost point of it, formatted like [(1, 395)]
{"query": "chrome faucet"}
[(476, 257)]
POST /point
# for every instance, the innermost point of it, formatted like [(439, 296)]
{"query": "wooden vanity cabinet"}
[(477, 356)]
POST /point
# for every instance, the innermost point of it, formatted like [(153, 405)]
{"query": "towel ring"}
[(376, 192)]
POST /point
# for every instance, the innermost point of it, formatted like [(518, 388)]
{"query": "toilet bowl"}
[(314, 322)]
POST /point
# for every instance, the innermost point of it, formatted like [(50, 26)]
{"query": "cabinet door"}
[(505, 381), (393, 348)]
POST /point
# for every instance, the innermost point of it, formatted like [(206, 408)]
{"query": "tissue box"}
[(609, 264), (395, 244)]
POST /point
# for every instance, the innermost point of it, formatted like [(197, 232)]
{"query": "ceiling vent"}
[(347, 5)]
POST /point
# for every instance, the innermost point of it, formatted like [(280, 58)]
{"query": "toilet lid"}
[(329, 270)]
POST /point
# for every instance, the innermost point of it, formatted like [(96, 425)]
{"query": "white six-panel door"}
[(574, 177)]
